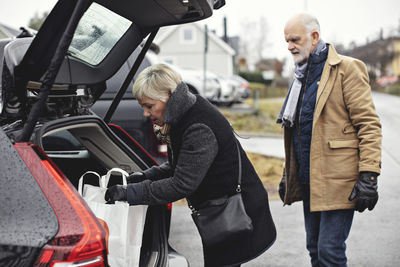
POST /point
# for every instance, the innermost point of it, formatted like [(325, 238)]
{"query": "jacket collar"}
[(333, 58), (328, 78), (320, 53), (180, 101)]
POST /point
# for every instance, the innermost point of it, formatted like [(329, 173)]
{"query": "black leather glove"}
[(365, 191), (115, 193), (136, 177), (282, 186)]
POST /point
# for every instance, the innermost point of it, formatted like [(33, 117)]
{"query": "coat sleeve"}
[(158, 172), (198, 150), (362, 113)]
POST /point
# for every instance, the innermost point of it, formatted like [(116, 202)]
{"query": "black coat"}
[(255, 200), (204, 165)]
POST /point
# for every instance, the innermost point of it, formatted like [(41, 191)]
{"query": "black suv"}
[(49, 137)]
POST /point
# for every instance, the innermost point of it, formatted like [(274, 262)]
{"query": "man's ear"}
[(315, 38)]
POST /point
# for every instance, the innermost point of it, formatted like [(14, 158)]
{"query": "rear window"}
[(97, 33)]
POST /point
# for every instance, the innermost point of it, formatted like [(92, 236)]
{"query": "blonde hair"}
[(156, 82)]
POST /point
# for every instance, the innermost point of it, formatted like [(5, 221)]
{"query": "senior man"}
[(332, 140)]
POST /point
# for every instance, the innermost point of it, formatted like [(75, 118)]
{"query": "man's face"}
[(299, 42)]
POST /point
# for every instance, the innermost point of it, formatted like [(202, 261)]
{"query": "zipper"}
[(301, 107)]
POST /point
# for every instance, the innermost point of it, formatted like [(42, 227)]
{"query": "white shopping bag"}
[(125, 223)]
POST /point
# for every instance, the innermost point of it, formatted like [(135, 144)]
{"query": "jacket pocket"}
[(340, 161), (343, 143)]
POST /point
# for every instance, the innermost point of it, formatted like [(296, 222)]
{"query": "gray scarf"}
[(288, 111)]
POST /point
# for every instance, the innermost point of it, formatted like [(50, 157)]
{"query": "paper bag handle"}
[(80, 185), (123, 173), (103, 180)]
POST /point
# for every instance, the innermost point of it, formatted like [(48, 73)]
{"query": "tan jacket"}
[(346, 136)]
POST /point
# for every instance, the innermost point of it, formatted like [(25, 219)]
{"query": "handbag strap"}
[(238, 188)]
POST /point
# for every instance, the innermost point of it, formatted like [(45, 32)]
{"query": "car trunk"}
[(86, 143), (50, 82)]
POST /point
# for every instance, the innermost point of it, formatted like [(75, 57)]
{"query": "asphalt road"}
[(375, 236)]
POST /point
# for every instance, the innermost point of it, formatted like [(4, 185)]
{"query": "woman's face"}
[(153, 109)]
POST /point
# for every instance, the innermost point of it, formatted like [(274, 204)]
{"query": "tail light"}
[(81, 240)]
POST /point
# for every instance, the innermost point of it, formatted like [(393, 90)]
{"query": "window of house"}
[(188, 35)]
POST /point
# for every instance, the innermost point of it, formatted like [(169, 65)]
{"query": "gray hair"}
[(310, 23), (156, 82)]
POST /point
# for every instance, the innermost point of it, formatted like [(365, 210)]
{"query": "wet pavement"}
[(269, 145)]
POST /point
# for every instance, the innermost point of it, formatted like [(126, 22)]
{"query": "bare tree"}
[(254, 39), (36, 21)]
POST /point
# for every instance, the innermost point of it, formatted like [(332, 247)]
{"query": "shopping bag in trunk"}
[(125, 223)]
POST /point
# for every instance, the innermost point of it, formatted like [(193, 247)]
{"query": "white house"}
[(183, 46)]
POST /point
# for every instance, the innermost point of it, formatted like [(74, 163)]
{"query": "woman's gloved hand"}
[(115, 193), (365, 191), (136, 177)]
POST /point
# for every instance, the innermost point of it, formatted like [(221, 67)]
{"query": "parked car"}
[(195, 81), (128, 114), (49, 137), (234, 89), (244, 85), (230, 91)]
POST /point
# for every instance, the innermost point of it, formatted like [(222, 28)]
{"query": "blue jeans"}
[(326, 233)]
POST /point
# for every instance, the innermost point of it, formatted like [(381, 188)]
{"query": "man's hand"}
[(115, 193), (365, 191), (282, 186), (136, 177)]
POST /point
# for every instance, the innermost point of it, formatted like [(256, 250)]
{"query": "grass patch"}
[(266, 91), (261, 120), (269, 169), (394, 89)]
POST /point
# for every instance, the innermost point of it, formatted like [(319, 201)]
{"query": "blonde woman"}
[(202, 163)]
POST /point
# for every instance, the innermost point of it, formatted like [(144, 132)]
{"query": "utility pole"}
[(205, 58)]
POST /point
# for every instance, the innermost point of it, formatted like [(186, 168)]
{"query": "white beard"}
[(303, 53)]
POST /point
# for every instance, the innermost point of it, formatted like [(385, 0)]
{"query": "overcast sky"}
[(342, 21)]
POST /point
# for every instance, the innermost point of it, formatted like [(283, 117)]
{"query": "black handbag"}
[(223, 219)]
